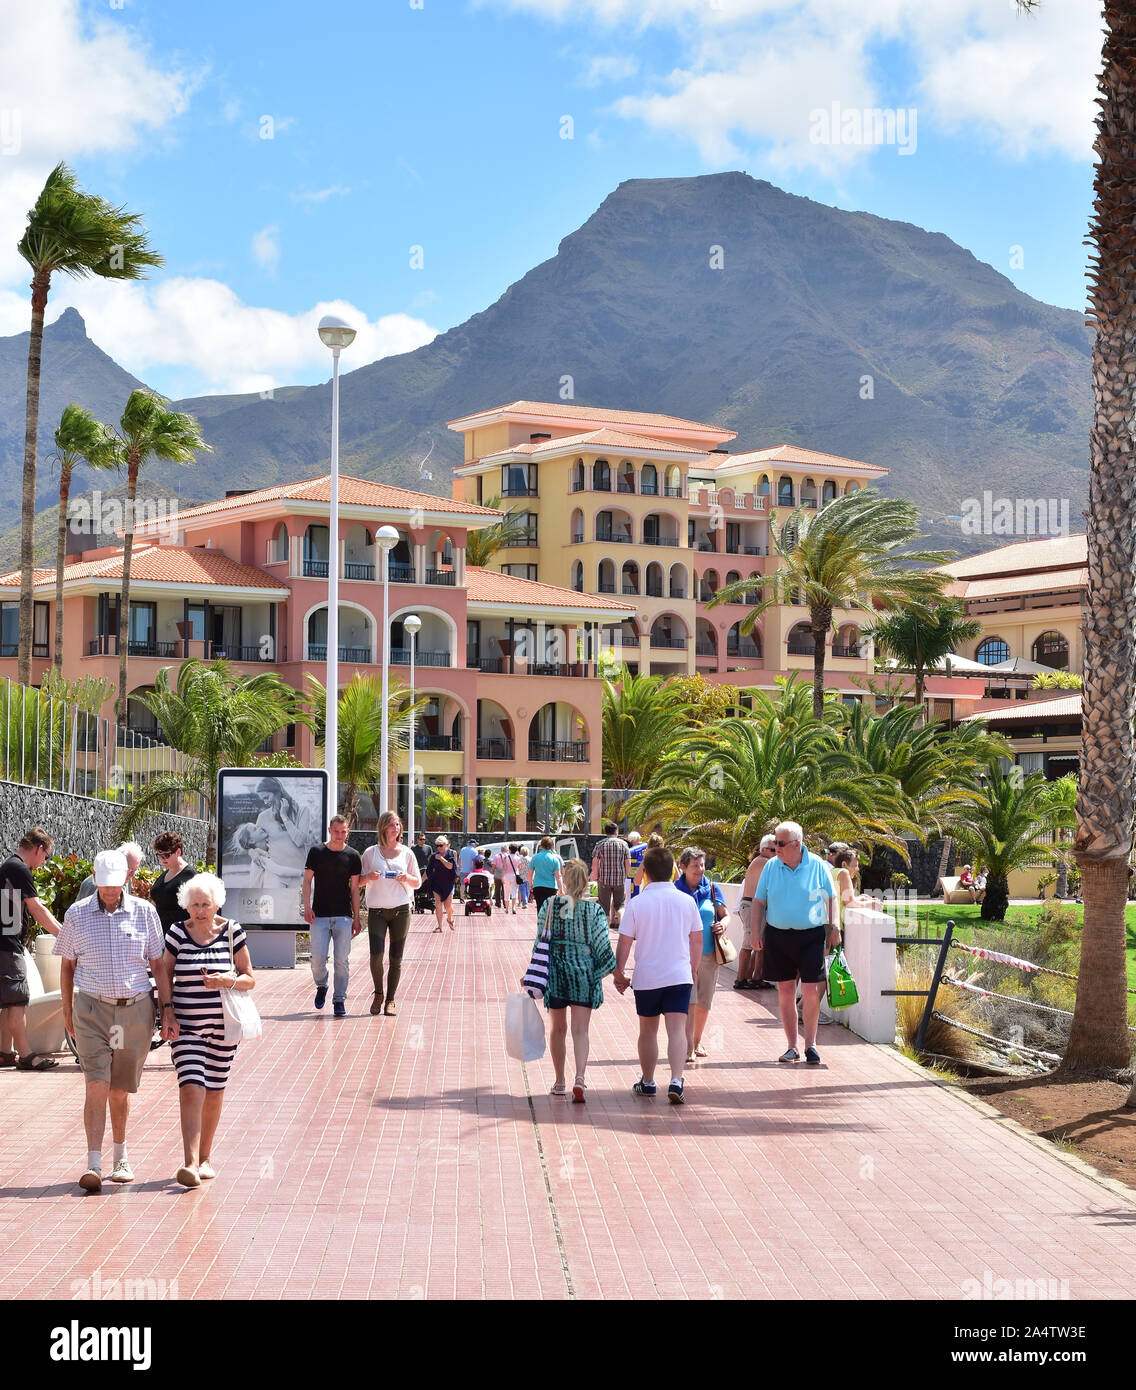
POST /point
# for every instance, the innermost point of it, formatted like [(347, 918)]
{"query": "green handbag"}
[(842, 991)]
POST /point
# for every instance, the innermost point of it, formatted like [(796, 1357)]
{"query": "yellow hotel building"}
[(656, 510)]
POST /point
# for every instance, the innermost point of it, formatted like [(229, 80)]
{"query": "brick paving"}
[(409, 1157)]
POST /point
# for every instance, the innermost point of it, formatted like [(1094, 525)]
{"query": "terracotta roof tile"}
[(489, 586), (793, 454), (558, 409), (1035, 582), (1054, 552), (1064, 707), (593, 439), (160, 564)]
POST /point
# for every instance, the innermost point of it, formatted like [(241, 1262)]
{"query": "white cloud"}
[(752, 70), (320, 195), (265, 248), (200, 332), (612, 68)]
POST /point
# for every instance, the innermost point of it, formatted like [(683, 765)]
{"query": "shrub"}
[(916, 971)]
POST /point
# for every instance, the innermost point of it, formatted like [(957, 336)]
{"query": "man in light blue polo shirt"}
[(795, 914)]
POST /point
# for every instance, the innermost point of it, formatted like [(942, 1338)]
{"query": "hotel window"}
[(601, 476), (649, 481), (528, 520), (10, 629), (1051, 649), (520, 571), (518, 480), (992, 651)]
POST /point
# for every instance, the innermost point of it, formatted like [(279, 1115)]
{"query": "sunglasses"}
[(164, 854), (784, 844)]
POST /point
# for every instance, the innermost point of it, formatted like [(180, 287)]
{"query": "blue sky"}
[(439, 125)]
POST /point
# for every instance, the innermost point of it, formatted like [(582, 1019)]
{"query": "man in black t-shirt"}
[(19, 907), (332, 912)]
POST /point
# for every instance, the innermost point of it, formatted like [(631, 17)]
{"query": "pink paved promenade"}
[(411, 1158)]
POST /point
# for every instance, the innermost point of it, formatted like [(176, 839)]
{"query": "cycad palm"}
[(80, 438), (148, 429), (482, 545), (78, 234), (846, 556), (217, 719), (639, 723), (1009, 820), (920, 640)]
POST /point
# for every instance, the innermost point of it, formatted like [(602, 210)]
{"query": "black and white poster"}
[(266, 823)]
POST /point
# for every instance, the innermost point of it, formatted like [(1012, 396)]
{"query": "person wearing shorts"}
[(611, 868), (442, 875), (707, 898), (665, 928), (795, 914), (547, 878), (106, 943), (19, 908)]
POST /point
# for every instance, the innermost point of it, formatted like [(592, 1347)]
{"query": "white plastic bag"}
[(524, 1028)]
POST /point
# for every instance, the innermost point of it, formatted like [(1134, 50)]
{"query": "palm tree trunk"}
[(60, 561), (124, 598), (821, 621), (1099, 1041), (41, 282), (920, 692), (996, 898)]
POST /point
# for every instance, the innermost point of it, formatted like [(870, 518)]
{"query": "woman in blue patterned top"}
[(580, 955)]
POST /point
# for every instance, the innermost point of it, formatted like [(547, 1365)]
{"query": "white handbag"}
[(524, 1028), (242, 1018)]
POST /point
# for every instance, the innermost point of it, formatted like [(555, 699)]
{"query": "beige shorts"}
[(113, 1043), (705, 980)]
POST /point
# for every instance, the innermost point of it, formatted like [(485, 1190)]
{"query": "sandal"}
[(690, 1055), (36, 1061), (578, 1090), (701, 1050), (558, 1089), (7, 1059)]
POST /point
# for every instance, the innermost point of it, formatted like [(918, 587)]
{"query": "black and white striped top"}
[(196, 1006)]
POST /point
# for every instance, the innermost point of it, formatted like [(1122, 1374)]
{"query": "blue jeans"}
[(523, 885), (326, 930)]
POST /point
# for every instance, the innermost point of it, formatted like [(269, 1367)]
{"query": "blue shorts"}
[(671, 999)]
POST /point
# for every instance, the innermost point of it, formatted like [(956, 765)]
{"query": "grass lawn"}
[(932, 918)]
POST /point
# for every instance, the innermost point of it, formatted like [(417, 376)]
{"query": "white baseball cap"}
[(111, 869)]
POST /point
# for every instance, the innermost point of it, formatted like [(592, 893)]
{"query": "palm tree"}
[(148, 429), (482, 545), (1009, 821), (844, 556), (1062, 792), (80, 438), (493, 801), (78, 234), (360, 732), (639, 724), (217, 719), (443, 805), (920, 640)]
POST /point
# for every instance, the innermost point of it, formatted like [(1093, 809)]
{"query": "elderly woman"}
[(579, 957), (711, 906), (750, 956), (197, 965)]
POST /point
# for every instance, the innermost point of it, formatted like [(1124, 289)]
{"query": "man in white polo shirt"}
[(666, 928), (795, 914)]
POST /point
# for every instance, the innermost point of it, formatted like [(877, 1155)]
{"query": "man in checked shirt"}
[(106, 943)]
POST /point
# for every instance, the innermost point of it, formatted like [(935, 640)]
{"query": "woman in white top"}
[(390, 875), (506, 861)]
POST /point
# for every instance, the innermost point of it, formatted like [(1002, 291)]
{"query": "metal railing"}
[(358, 656), (671, 541), (495, 749), (447, 576), (674, 643), (445, 743), (356, 569), (398, 573), (400, 656), (558, 751), (315, 569)]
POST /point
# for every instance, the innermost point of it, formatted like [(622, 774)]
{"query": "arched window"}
[(784, 491), (649, 480), (654, 580), (809, 494), (578, 476), (708, 586), (829, 493), (629, 577), (577, 531), (625, 478), (801, 641), (763, 486), (280, 544), (992, 651), (606, 577), (1051, 649), (678, 581), (578, 576), (851, 488), (674, 481), (737, 645), (601, 476)]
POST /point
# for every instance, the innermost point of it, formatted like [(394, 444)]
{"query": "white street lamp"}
[(411, 625), (335, 334), (386, 538)]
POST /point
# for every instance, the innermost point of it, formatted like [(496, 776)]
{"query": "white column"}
[(872, 962)]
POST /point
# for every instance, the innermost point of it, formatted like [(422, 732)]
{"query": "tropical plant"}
[(483, 544), (501, 803), (79, 438), (148, 429), (845, 556), (639, 723), (1010, 820), (217, 719), (920, 639), (69, 232), (360, 733), (41, 731), (442, 805), (703, 700), (565, 811), (1062, 793), (1057, 680)]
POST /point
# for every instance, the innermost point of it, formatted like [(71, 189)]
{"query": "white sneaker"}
[(122, 1172)]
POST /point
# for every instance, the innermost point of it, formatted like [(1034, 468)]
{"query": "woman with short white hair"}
[(750, 956), (203, 955)]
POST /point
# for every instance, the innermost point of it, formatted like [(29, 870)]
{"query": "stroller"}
[(479, 894)]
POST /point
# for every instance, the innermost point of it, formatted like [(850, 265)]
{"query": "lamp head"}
[(335, 332), (413, 624), (386, 538)]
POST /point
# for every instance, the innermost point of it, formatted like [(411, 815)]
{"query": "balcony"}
[(672, 492), (800, 649), (842, 651), (495, 749), (749, 650), (614, 538), (654, 591), (648, 489), (490, 665), (624, 486), (438, 743), (315, 569), (705, 649), (400, 656), (755, 550), (520, 492), (358, 656), (661, 540), (108, 646), (398, 573), (577, 538), (631, 590), (575, 670), (442, 577), (558, 751), (605, 588), (677, 644), (353, 569), (223, 651)]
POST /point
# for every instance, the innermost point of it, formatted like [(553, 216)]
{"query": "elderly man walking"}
[(795, 915), (106, 943), (611, 868), (134, 853)]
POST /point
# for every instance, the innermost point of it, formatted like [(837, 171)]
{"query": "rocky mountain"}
[(721, 298)]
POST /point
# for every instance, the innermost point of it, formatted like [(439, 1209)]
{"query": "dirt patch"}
[(1086, 1118)]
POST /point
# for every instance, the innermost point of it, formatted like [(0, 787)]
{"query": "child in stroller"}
[(478, 890)]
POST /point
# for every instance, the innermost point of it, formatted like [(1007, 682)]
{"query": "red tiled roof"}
[(353, 492), (1054, 552), (489, 586), (792, 453), (1064, 707), (1035, 582), (594, 439), (160, 564), (591, 412)]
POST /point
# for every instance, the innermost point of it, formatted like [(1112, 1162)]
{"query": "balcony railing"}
[(660, 540), (570, 669), (108, 646), (495, 749), (672, 492), (746, 649), (224, 651), (755, 550), (358, 656), (800, 649), (400, 656), (648, 489), (490, 665), (520, 492), (614, 537), (558, 751), (654, 591), (705, 649), (398, 573), (630, 589), (315, 569), (355, 569), (846, 651), (13, 649), (672, 643), (441, 577), (707, 547), (441, 743), (605, 588), (624, 486)]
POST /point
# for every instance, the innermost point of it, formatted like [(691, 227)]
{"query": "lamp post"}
[(386, 538), (412, 625), (335, 334)]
